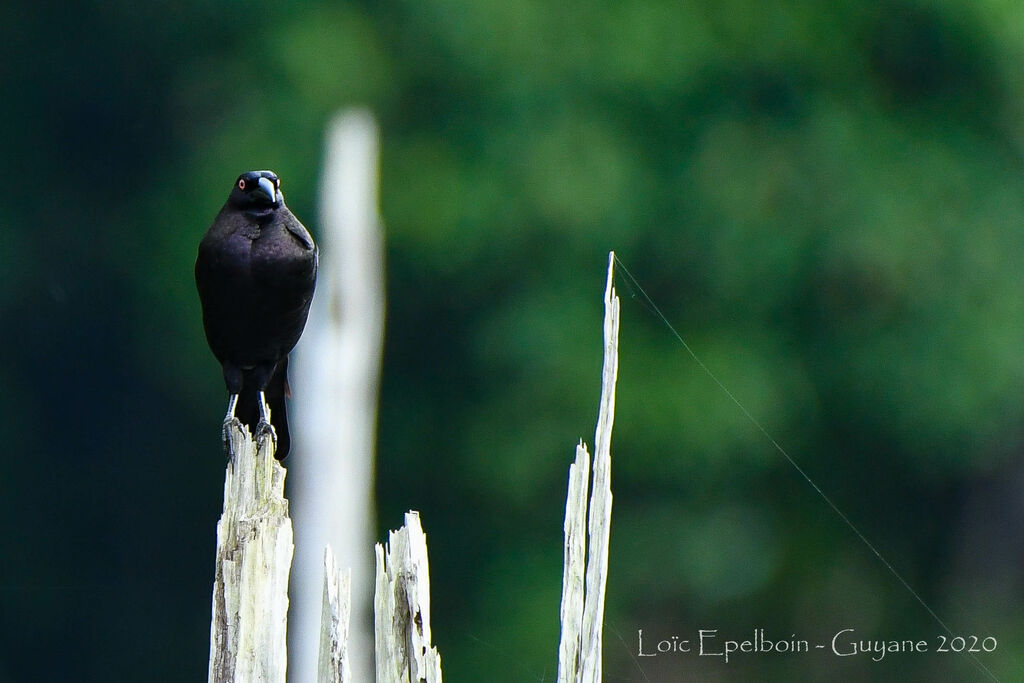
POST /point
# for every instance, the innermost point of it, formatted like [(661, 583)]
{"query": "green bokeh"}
[(826, 202)]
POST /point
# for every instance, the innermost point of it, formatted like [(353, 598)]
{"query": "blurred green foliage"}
[(826, 200)]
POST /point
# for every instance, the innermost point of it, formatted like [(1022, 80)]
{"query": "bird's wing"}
[(299, 230), (222, 227), (202, 269)]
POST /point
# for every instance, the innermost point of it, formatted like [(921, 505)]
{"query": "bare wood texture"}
[(583, 589), (402, 608), (248, 632), (334, 662)]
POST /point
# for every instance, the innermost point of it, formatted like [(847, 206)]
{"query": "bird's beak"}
[(266, 187)]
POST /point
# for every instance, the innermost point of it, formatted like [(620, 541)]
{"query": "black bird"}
[(256, 272)]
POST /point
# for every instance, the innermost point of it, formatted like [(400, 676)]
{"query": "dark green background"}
[(826, 200)]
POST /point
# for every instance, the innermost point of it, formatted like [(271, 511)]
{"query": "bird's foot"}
[(225, 433), (264, 428)]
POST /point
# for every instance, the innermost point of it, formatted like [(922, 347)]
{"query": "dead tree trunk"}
[(248, 632)]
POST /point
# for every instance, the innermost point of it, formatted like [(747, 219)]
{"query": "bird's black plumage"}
[(256, 272)]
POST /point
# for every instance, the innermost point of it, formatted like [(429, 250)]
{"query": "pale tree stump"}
[(402, 608), (248, 632), (586, 558), (334, 666)]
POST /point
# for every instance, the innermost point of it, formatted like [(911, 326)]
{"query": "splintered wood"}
[(402, 608), (248, 632), (586, 568), (334, 665)]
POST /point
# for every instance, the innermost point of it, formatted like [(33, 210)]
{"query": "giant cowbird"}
[(256, 272)]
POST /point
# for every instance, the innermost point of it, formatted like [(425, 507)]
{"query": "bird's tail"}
[(248, 409)]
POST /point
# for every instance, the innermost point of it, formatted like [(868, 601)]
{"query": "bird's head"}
[(257, 192)]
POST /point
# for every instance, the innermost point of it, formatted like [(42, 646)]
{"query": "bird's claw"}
[(264, 428), (225, 433)]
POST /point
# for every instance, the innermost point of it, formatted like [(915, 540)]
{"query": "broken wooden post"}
[(248, 632), (334, 666), (403, 650), (586, 568)]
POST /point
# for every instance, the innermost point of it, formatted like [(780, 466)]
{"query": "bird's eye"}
[(241, 183)]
